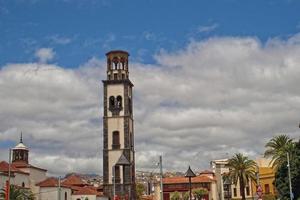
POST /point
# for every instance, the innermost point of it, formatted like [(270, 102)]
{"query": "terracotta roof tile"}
[(51, 182), (74, 180), (182, 179), (87, 191), (4, 167)]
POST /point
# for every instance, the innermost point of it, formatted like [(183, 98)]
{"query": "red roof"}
[(207, 172), (87, 191), (26, 165), (51, 182), (182, 179), (4, 167), (74, 180)]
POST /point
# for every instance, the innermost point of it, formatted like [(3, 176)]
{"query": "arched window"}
[(23, 184), (66, 196), (122, 60), (116, 140), (115, 61), (119, 101), (111, 102)]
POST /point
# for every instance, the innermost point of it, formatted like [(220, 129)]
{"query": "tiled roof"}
[(207, 172), (4, 167), (20, 164), (87, 191), (197, 179), (51, 182), (74, 180)]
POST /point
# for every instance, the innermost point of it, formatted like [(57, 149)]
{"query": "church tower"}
[(118, 133), (20, 153)]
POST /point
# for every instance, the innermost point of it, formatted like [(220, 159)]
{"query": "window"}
[(123, 76), (117, 174), (116, 140), (119, 101), (115, 76), (115, 61), (23, 184), (66, 196), (111, 102), (247, 191), (234, 192), (267, 188)]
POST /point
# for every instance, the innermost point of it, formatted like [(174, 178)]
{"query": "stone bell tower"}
[(118, 133)]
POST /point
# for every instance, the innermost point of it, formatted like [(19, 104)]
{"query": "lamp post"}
[(289, 173), (189, 173)]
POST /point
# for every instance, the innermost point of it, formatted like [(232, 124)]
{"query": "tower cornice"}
[(126, 81)]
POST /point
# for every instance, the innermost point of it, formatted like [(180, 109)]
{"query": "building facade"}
[(266, 177), (118, 133), (206, 180)]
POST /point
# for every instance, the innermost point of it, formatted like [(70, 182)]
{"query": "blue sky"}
[(80, 29)]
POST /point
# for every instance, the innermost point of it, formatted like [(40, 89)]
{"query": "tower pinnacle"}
[(21, 138)]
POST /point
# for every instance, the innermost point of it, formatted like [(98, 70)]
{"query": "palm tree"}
[(241, 169), (18, 194), (277, 149)]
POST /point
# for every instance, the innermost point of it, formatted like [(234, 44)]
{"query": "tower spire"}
[(21, 138)]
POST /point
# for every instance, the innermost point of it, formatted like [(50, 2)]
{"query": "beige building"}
[(206, 180), (226, 189)]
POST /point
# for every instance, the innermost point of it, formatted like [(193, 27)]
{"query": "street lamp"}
[(289, 173), (189, 173)]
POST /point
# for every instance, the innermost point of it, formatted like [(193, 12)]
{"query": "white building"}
[(26, 176)]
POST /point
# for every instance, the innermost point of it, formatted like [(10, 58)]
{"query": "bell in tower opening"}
[(118, 132)]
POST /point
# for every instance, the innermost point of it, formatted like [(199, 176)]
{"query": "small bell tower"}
[(20, 152), (118, 132)]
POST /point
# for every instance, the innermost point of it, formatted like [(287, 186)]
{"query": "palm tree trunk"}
[(242, 188)]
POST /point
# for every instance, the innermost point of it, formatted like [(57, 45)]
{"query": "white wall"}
[(18, 179), (51, 193)]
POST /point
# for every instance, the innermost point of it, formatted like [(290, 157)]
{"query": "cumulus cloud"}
[(45, 54), (207, 101)]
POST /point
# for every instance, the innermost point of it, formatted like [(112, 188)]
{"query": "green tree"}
[(175, 196), (269, 197), (241, 169), (18, 194), (281, 175), (199, 193), (186, 196), (140, 189), (277, 149)]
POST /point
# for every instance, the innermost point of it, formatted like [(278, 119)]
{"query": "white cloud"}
[(207, 101), (45, 54), (207, 29)]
